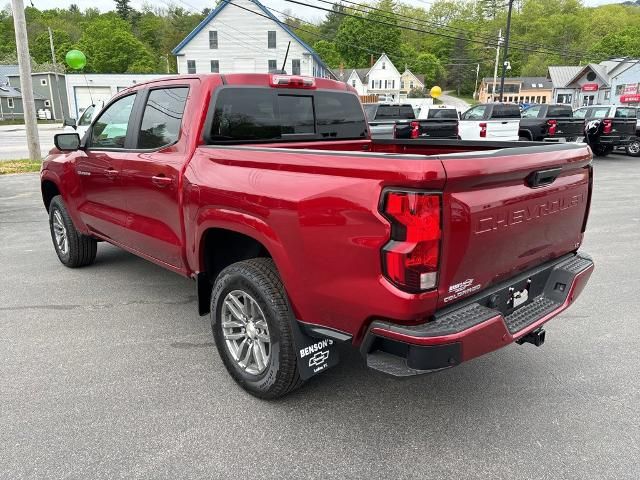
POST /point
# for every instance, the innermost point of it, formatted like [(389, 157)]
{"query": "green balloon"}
[(76, 59)]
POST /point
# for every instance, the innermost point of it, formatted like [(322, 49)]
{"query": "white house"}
[(243, 36), (358, 80), (384, 79), (381, 79)]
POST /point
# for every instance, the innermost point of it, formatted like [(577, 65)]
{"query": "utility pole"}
[(475, 89), (505, 58), (495, 67), (55, 70), (26, 84)]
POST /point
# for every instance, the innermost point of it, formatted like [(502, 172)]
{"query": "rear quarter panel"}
[(317, 215)]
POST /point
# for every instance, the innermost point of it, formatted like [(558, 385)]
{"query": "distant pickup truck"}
[(301, 232), (491, 121), (550, 122), (608, 127), (399, 121)]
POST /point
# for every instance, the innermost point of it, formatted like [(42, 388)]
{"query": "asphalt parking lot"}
[(108, 372)]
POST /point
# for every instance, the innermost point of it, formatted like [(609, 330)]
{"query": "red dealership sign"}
[(631, 98), (590, 87)]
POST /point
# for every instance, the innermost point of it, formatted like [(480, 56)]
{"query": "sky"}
[(306, 13)]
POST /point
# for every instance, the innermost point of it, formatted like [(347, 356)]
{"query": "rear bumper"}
[(615, 141), (471, 329)]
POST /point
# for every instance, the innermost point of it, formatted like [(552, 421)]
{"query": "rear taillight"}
[(483, 130), (410, 258), (553, 126), (415, 129), (607, 126)]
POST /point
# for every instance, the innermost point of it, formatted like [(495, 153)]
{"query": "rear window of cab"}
[(268, 114)]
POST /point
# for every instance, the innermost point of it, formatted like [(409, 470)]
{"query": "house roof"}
[(6, 70), (599, 70), (417, 76), (541, 83), (267, 12), (561, 75), (7, 91)]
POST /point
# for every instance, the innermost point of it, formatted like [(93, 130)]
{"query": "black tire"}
[(80, 249), (633, 149), (602, 150), (260, 279)]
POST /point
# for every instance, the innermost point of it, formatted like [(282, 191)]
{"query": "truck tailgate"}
[(438, 128), (503, 129), (570, 127), (497, 222)]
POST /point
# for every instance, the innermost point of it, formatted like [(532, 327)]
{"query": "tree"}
[(131, 55), (376, 31), (328, 53), (40, 47), (429, 66), (123, 8), (623, 44), (331, 23)]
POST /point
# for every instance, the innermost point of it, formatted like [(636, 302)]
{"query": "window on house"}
[(273, 66), (162, 117), (10, 103), (607, 94), (385, 84), (191, 66), (47, 103), (353, 83), (384, 65), (402, 84), (213, 39), (43, 82), (271, 39), (393, 84), (373, 84), (411, 84), (215, 66), (544, 99), (295, 67)]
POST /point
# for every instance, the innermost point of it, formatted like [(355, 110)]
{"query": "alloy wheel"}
[(60, 233), (245, 332)]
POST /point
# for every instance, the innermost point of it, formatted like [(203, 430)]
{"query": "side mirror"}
[(69, 122), (67, 142)]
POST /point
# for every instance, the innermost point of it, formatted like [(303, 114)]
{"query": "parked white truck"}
[(490, 121)]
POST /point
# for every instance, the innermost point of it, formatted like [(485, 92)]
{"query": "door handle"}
[(111, 173), (161, 180)]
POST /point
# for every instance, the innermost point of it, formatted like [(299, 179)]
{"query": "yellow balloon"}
[(435, 91)]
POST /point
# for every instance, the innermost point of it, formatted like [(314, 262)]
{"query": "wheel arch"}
[(226, 237)]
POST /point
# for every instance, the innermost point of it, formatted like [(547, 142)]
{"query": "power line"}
[(448, 30)]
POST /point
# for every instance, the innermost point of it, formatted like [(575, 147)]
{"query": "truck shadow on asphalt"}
[(491, 378)]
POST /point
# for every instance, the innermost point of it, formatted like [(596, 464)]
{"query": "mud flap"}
[(315, 355)]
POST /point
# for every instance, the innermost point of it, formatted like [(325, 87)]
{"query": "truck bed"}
[(497, 223)]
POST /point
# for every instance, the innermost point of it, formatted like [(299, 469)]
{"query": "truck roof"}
[(258, 79)]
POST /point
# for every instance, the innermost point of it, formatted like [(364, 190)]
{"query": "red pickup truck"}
[(301, 232)]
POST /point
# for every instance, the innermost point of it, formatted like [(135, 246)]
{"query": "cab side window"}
[(580, 113), (162, 117), (531, 112), (110, 130), (475, 113)]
